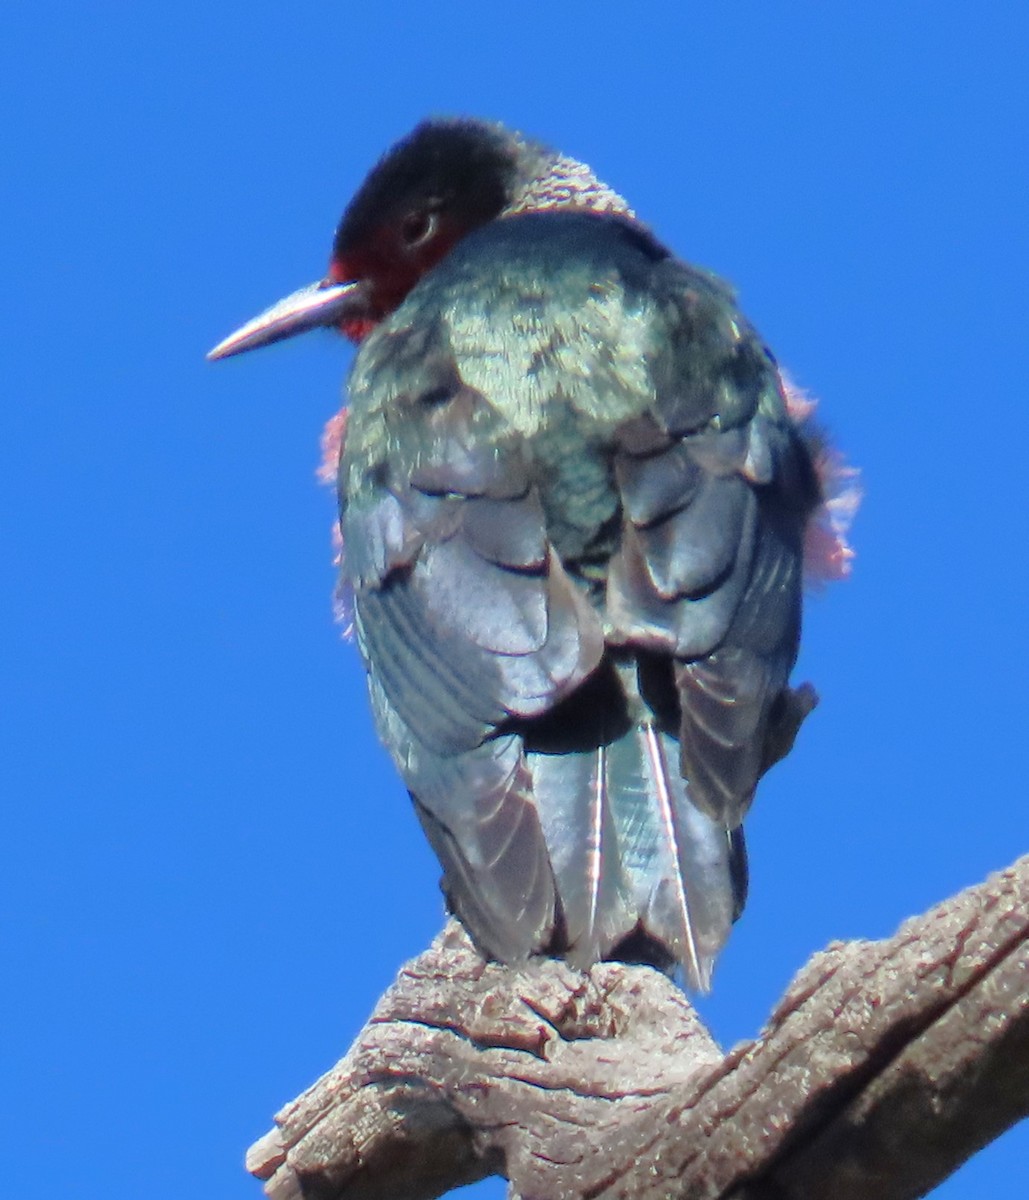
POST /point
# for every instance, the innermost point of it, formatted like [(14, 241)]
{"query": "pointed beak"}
[(320, 304)]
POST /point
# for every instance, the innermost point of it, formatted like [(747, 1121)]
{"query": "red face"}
[(391, 262)]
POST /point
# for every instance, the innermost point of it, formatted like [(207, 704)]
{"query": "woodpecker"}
[(574, 496)]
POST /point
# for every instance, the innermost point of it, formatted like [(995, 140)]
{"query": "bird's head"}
[(444, 180)]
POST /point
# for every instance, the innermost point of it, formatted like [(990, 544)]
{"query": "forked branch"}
[(885, 1065)]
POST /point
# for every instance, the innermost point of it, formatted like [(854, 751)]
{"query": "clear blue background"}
[(209, 870)]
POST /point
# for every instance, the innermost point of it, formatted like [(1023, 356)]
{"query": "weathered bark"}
[(884, 1066)]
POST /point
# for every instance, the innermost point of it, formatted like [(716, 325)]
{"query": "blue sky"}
[(210, 869)]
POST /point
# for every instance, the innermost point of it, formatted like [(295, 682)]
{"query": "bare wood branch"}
[(884, 1066)]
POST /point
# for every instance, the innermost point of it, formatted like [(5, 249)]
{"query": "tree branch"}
[(885, 1065)]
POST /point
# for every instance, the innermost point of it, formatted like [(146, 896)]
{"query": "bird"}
[(575, 492)]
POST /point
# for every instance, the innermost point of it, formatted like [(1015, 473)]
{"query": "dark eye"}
[(418, 227)]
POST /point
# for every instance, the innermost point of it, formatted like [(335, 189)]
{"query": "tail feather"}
[(574, 803), (686, 875), (640, 870), (673, 883)]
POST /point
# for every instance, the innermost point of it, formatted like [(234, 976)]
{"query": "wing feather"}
[(466, 619)]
